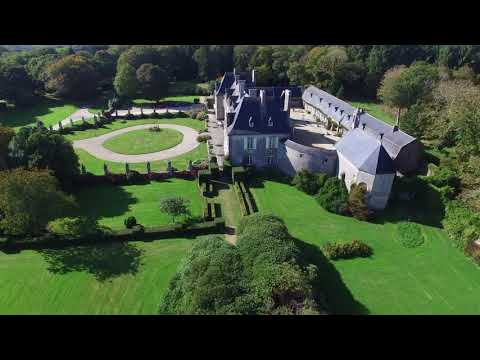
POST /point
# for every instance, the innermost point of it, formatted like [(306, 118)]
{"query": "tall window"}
[(272, 142), (250, 142), (250, 159)]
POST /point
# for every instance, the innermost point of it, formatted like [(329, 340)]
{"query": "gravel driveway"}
[(94, 146)]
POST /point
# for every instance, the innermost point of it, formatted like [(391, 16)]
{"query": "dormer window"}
[(250, 122), (270, 121)]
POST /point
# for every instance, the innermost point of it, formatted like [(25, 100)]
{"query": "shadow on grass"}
[(104, 201), (330, 284), (23, 116), (104, 262)]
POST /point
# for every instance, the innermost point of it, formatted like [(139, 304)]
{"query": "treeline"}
[(81, 72)]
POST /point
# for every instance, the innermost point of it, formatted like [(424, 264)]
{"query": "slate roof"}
[(365, 152), (249, 107), (344, 114)]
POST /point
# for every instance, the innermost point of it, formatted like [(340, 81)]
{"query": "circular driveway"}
[(94, 146)]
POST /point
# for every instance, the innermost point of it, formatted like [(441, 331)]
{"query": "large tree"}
[(29, 200), (38, 148), (126, 83), (73, 77), (153, 82), (6, 134), (16, 85)]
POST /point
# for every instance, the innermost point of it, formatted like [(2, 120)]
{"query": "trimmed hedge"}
[(238, 173), (350, 250), (134, 178), (50, 240), (241, 199)]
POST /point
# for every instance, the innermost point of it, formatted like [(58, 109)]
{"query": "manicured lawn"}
[(112, 279), (376, 110), (112, 204), (434, 278), (49, 111), (95, 166), (144, 141), (120, 124)]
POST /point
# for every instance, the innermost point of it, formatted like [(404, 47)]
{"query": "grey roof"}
[(249, 107), (346, 115), (306, 149), (277, 91), (365, 152)]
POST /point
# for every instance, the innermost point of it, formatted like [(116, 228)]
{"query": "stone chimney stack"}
[(253, 76), (241, 87), (233, 71), (263, 102), (286, 104)]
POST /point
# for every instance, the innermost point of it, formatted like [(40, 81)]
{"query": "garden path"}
[(94, 146)]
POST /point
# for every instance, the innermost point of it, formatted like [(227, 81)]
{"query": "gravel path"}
[(94, 146), (76, 116)]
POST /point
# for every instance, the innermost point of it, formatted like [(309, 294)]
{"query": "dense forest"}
[(433, 89)]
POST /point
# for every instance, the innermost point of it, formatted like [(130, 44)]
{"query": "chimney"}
[(241, 87), (230, 117), (363, 126), (263, 102), (252, 92), (398, 118), (253, 76), (233, 71), (286, 104), (381, 137), (395, 128)]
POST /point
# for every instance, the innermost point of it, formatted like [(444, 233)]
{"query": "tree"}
[(357, 202), (153, 82), (174, 206), (333, 196), (16, 85), (29, 200), (242, 55), (6, 134), (209, 280), (34, 148), (308, 182), (126, 83), (105, 63), (73, 77)]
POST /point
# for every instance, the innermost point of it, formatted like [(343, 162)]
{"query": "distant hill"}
[(28, 47)]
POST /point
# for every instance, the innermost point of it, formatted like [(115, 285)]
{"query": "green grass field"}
[(95, 166), (112, 204), (434, 278), (49, 111), (144, 141), (120, 124), (376, 110), (111, 279)]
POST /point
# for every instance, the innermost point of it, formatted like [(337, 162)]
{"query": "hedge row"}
[(238, 173), (134, 177), (50, 240), (248, 197), (244, 209)]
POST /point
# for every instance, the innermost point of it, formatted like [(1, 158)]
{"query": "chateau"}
[(338, 139)]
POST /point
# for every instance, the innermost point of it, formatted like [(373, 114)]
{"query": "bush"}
[(155, 128), (333, 196), (196, 100), (308, 182), (357, 202), (130, 222), (203, 138), (461, 224), (350, 250), (202, 115), (74, 226), (410, 234)]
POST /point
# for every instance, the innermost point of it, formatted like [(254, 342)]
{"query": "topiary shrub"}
[(203, 138), (333, 196), (350, 250), (410, 234), (130, 222)]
